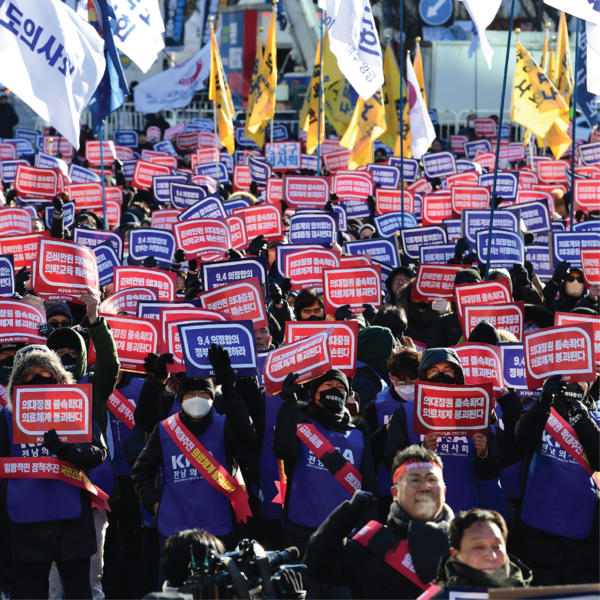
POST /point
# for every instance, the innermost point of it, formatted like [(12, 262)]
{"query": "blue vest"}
[(314, 490), (34, 500), (560, 495), (269, 471), (385, 406), (187, 500)]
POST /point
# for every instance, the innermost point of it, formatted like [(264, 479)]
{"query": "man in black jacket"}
[(8, 118), (374, 562)]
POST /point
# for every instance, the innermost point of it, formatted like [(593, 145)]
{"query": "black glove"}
[(329, 206), (160, 366), (371, 203), (561, 272), (343, 313), (288, 584), (521, 275), (149, 262), (149, 362), (221, 364), (45, 329), (232, 254), (462, 246), (552, 387), (54, 445), (369, 312), (254, 188), (511, 406), (290, 387), (21, 278), (363, 501), (577, 411), (275, 293), (57, 203), (179, 256), (286, 285), (257, 246), (192, 265), (333, 197)]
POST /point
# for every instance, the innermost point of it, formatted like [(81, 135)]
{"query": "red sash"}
[(322, 448), (390, 549), (52, 468), (121, 408), (281, 485), (214, 473), (568, 440)]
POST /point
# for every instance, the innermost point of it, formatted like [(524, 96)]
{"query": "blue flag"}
[(112, 90), (586, 101)]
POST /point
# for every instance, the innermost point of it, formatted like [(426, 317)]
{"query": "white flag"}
[(175, 87), (422, 132), (354, 41), (139, 31), (593, 58), (52, 59), (483, 12), (588, 10)]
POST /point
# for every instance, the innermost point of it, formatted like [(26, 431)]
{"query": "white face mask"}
[(406, 392), (196, 407)]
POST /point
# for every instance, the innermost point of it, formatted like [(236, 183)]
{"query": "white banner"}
[(483, 12), (422, 132), (588, 10), (593, 58)]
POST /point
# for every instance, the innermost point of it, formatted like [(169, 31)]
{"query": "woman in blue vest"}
[(560, 530), (312, 491), (185, 499)]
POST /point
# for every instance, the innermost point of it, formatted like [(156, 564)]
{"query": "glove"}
[(54, 445), (462, 246), (45, 329), (440, 305), (149, 362), (369, 312), (118, 165), (257, 245), (521, 275), (343, 313), (577, 411), (362, 501), (371, 203), (290, 387), (149, 262), (179, 256), (286, 285), (232, 254), (22, 277), (329, 206), (552, 387), (221, 364), (254, 188), (57, 203), (193, 265), (288, 584), (333, 197), (561, 272), (275, 293), (160, 366)]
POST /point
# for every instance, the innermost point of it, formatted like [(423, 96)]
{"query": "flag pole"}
[(575, 80), (211, 20), (275, 3), (402, 110), (498, 139), (320, 93), (102, 177)]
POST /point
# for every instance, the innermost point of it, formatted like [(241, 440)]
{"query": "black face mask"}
[(442, 378), (38, 379), (573, 393), (7, 363), (68, 362), (333, 400), (314, 318)]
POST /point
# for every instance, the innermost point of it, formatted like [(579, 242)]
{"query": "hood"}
[(485, 333), (433, 356), (69, 338), (375, 346), (32, 356)]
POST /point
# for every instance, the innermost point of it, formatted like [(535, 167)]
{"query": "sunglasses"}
[(572, 278)]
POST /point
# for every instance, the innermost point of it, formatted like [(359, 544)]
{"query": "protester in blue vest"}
[(396, 560), (186, 499), (560, 529), (313, 490), (467, 459)]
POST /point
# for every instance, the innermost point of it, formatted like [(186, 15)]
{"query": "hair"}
[(507, 336), (307, 298), (465, 519), (404, 363), (177, 554), (416, 451), (393, 318)]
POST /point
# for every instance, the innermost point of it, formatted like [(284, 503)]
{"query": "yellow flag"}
[(218, 92), (330, 97), (536, 102), (556, 139), (367, 124), (418, 66), (331, 70), (259, 137), (563, 68), (391, 93), (342, 110), (264, 106), (310, 118)]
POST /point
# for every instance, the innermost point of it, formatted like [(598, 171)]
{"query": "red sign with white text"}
[(242, 180), (274, 190), (587, 194), (525, 196), (486, 159), (574, 319), (144, 172), (467, 178), (469, 197), (166, 161), (124, 153), (457, 143), (527, 179), (51, 146), (14, 221), (187, 141), (305, 267), (8, 151), (497, 291), (356, 286), (140, 277), (89, 195), (127, 300), (154, 133), (20, 322), (237, 229), (334, 161), (436, 208), (485, 127), (362, 260), (552, 171), (350, 184), (481, 363), (210, 183), (435, 281), (92, 151), (198, 237), (305, 192), (262, 220), (502, 316), (22, 247), (389, 200), (590, 261), (31, 182), (165, 219)]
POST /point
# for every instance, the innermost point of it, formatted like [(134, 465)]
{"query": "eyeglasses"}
[(400, 280), (403, 384), (59, 323), (435, 371), (416, 481), (572, 278)]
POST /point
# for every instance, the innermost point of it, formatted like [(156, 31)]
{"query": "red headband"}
[(414, 463)]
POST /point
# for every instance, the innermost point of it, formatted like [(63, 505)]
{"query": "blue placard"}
[(436, 255), (184, 195), (310, 162), (150, 309), (385, 175), (236, 337), (27, 134), (539, 257), (227, 160), (453, 228), (413, 239), (161, 188), (418, 207), (543, 239), (216, 170), (94, 237), (411, 167), (284, 155), (342, 217), (126, 138), (260, 171), (192, 127), (535, 215), (505, 132), (231, 205), (313, 227), (513, 362), (472, 148), (243, 141), (210, 207), (463, 164), (24, 147), (390, 223), (68, 210), (79, 174), (7, 275), (129, 168), (565, 245), (508, 248), (507, 184), (238, 157), (204, 123), (382, 250), (45, 161), (217, 274), (439, 165), (435, 12), (280, 133), (593, 225), (433, 113), (107, 260), (8, 169), (165, 146), (473, 220), (590, 153), (145, 242), (357, 209)]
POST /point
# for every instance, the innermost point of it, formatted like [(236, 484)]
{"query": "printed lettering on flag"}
[(20, 322), (481, 363), (262, 220), (390, 201), (164, 282), (199, 237), (305, 267), (435, 281), (355, 287), (509, 316)]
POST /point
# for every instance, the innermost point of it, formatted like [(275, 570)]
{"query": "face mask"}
[(333, 400), (68, 362), (196, 407), (406, 392), (38, 379), (314, 318), (574, 288), (7, 363), (573, 393), (442, 378)]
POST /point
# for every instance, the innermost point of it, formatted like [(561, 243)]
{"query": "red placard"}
[(15, 221), (242, 301), (512, 153), (590, 171), (237, 228), (165, 219), (92, 151), (482, 293), (22, 247), (241, 178), (363, 260), (187, 141), (567, 350), (524, 196), (206, 155), (65, 408), (305, 267), (452, 410), (64, 270), (587, 194), (127, 301), (552, 171), (421, 186), (590, 261), (305, 192), (502, 316), (209, 140), (342, 341), (198, 237), (527, 179), (353, 185), (164, 282), (171, 132), (154, 133), (20, 322), (486, 159), (210, 183), (481, 363), (436, 208), (435, 281), (575, 318), (457, 143), (470, 197), (308, 358), (550, 188), (50, 146), (144, 172), (485, 127), (113, 215), (89, 195), (31, 182), (335, 161), (124, 153), (356, 286), (167, 161), (8, 151), (274, 190), (389, 200), (262, 220), (467, 178)]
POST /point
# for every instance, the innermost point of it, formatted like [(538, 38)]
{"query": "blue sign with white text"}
[(210, 207), (472, 148), (68, 210), (146, 242), (315, 227), (216, 170), (383, 250), (107, 260), (126, 138), (453, 228), (385, 175), (508, 248), (565, 245), (8, 169), (79, 174), (539, 257), (593, 225), (411, 167), (389, 223), (94, 237), (217, 274), (474, 220), (439, 165), (437, 255), (413, 239), (161, 188), (535, 215), (231, 205), (507, 184), (184, 195), (7, 275), (260, 171), (356, 208)]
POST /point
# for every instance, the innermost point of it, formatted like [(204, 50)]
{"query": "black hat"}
[(332, 375), (485, 333), (64, 337), (540, 315), (59, 308), (354, 222), (189, 384), (470, 275), (129, 220)]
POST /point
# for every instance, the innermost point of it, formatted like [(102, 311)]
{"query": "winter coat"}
[(8, 119), (445, 331), (420, 315)]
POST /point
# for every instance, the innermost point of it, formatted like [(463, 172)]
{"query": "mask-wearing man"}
[(70, 349), (317, 483), (7, 359), (566, 288), (58, 314), (309, 306), (416, 531)]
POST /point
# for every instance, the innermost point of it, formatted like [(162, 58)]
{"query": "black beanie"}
[(540, 315), (63, 337), (189, 384), (469, 275), (485, 333), (333, 375)]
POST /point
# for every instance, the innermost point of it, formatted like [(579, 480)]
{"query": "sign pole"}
[(211, 19), (102, 177), (402, 110), (575, 79), (320, 93)]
